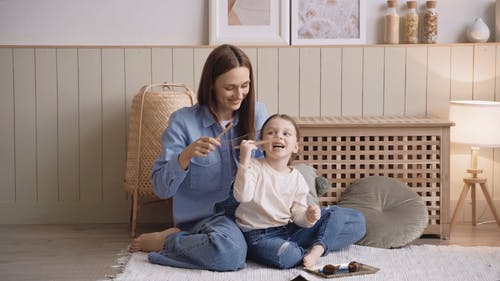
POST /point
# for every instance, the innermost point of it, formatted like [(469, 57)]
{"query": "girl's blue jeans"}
[(285, 246)]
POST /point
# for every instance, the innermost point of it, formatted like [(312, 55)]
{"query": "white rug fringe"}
[(120, 264)]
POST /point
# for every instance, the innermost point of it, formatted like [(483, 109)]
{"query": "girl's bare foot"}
[(311, 258), (151, 242)]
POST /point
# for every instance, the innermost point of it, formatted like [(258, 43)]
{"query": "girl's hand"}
[(200, 148), (246, 148), (313, 213)]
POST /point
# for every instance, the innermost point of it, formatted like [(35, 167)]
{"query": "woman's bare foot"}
[(311, 258), (151, 242)]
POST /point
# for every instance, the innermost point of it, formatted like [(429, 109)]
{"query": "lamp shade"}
[(476, 122)]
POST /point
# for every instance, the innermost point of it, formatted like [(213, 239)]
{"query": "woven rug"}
[(423, 262)]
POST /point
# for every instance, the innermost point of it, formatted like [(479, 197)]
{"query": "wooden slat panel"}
[(310, 82), (496, 180), (68, 127), (331, 81), (484, 72), (7, 144), (496, 151), (114, 125), (462, 67), (460, 161), (252, 55), (485, 155), (373, 81), (438, 80), (454, 72), (90, 114), (497, 68), (161, 65), (352, 77), (484, 89), (137, 72), (288, 83), (200, 56), (462, 73), (267, 70), (46, 123), (183, 64), (416, 76), (394, 80), (462, 61), (25, 124)]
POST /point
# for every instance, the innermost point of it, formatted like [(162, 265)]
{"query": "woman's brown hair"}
[(221, 60)]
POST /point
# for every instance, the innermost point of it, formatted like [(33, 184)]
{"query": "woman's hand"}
[(246, 148), (200, 148), (313, 213)]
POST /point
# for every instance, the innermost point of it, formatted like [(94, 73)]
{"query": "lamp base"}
[(470, 183), (474, 172)]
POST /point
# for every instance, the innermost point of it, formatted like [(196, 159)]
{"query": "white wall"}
[(172, 22), (103, 22)]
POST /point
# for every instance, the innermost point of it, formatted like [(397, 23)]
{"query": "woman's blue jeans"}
[(215, 243), (285, 246)]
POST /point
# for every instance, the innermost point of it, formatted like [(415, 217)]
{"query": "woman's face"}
[(231, 88)]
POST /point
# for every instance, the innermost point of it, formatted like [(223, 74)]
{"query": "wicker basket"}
[(149, 117)]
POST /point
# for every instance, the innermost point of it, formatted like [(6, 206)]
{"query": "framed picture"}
[(327, 22), (250, 22)]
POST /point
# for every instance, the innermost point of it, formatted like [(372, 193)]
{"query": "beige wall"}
[(63, 111), (174, 22)]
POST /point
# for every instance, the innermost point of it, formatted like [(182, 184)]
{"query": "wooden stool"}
[(470, 183)]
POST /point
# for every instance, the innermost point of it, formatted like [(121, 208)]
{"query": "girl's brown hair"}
[(221, 60)]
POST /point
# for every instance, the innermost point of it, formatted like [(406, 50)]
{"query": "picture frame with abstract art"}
[(249, 22), (328, 22)]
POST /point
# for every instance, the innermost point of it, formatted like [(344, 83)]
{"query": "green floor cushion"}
[(395, 214), (318, 185)]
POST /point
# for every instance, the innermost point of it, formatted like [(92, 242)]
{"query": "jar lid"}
[(430, 4), (392, 3), (411, 4)]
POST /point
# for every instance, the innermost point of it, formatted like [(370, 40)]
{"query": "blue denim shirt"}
[(207, 180)]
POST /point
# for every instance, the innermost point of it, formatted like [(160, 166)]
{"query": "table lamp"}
[(477, 123)]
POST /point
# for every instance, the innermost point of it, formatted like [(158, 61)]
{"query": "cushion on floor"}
[(318, 185), (395, 214)]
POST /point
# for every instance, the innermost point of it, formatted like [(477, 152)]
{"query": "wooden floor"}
[(88, 252), (60, 252)]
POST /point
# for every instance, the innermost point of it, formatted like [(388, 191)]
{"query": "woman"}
[(197, 167)]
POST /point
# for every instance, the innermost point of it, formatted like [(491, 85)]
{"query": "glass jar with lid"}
[(430, 23), (391, 23), (411, 23)]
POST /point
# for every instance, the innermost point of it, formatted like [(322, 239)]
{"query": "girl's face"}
[(284, 139), (231, 88)]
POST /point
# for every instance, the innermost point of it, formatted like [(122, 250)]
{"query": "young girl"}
[(280, 229)]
